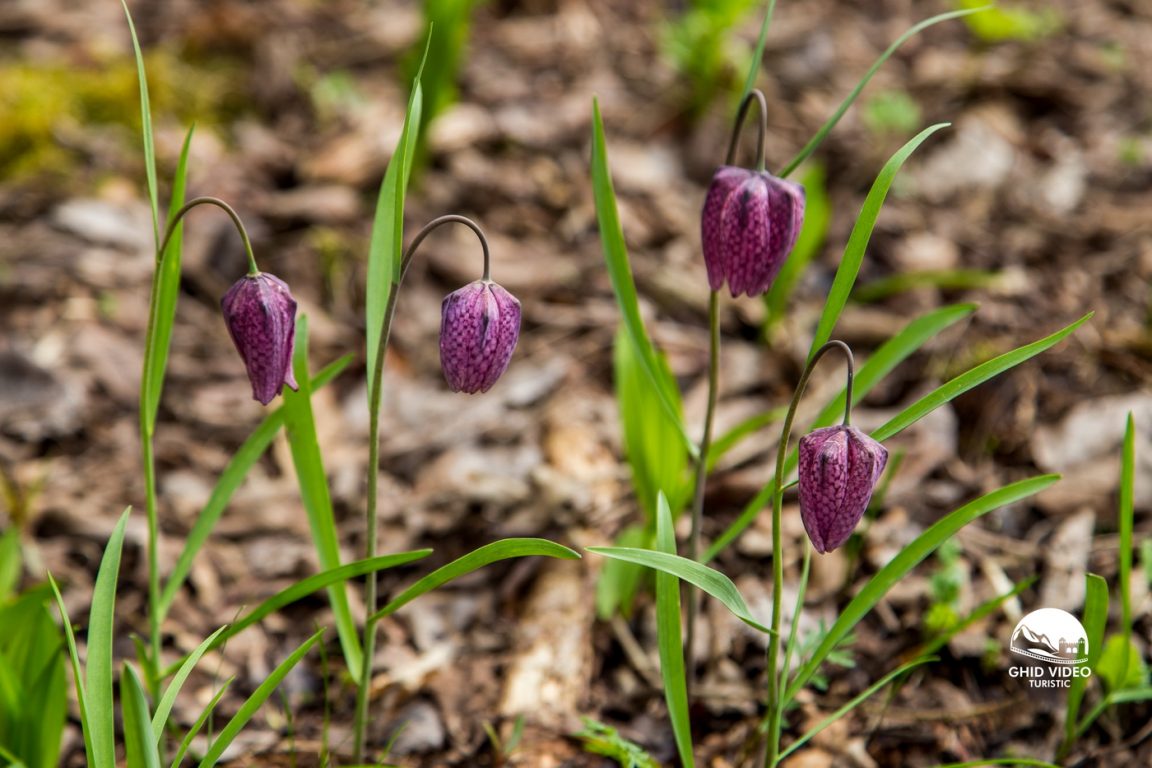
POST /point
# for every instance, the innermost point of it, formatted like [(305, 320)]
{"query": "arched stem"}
[(761, 128), (253, 270), (371, 587), (775, 683)]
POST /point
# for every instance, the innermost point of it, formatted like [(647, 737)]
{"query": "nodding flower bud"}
[(749, 226), (479, 326), (839, 469), (261, 317)]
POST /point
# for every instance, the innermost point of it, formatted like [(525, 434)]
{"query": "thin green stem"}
[(702, 466), (371, 587), (761, 128), (775, 681), (152, 675), (253, 270)]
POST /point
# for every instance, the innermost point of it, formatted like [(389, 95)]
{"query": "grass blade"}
[(1130, 696), (206, 713), (164, 708), (825, 129), (858, 241), (300, 426), (386, 247), (139, 746), (1127, 510), (1095, 618), (758, 55), (652, 447), (162, 302), (924, 545), (697, 574), (230, 480), (146, 126), (855, 702), (305, 587), (623, 285), (669, 640), (985, 609), (77, 669), (249, 708), (970, 379), (100, 639), (485, 555), (893, 352)]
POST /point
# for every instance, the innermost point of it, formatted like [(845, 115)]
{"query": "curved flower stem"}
[(253, 270), (702, 468), (371, 587), (761, 128), (775, 681), (147, 433)]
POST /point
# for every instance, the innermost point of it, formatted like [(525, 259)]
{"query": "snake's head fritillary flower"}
[(750, 223), (261, 317), (479, 326), (839, 469)]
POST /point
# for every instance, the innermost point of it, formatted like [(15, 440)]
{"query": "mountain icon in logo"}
[(1051, 635)]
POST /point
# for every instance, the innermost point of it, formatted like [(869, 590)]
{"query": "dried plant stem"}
[(776, 683), (702, 470)]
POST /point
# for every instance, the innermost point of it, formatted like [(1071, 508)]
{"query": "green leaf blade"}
[(249, 708), (139, 746), (849, 267), (300, 425), (669, 640), (910, 556), (478, 558), (620, 274), (697, 574), (100, 639)]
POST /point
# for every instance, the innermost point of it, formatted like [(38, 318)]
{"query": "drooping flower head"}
[(479, 327), (839, 469), (749, 226), (261, 317)]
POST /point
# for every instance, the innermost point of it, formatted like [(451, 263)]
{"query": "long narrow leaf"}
[(969, 379), (911, 555), (853, 703), (77, 669), (308, 586), (100, 638), (146, 126), (825, 129), (300, 426), (489, 553), (620, 273), (164, 707), (1127, 509), (162, 302), (139, 746), (201, 719), (890, 354), (1128, 696), (386, 248), (758, 54), (669, 640), (858, 241), (1095, 619), (230, 480), (699, 575), (255, 701)]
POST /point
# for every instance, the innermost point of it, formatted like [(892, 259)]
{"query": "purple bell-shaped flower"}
[(839, 469), (479, 327), (750, 223), (261, 317)]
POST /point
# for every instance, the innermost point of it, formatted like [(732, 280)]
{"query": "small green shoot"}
[(996, 24), (601, 739)]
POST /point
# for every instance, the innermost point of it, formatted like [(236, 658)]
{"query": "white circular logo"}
[(1052, 636)]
